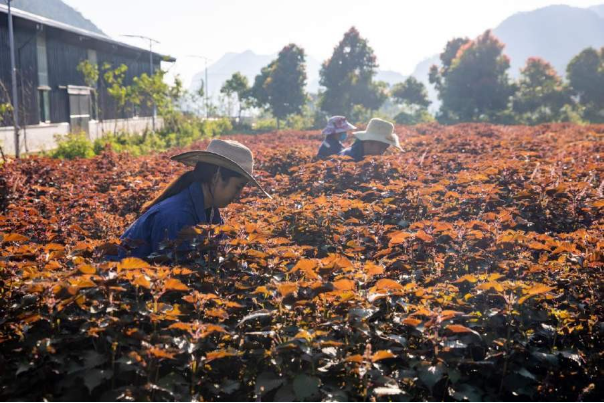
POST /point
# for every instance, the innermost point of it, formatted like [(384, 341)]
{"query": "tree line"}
[(472, 83)]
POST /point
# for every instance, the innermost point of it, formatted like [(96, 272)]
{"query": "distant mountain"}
[(390, 77), (249, 64), (56, 10), (554, 33), (598, 10)]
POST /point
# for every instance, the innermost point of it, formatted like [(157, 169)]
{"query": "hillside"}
[(56, 10)]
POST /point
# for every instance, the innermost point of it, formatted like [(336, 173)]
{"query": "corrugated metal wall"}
[(64, 51), (63, 59), (27, 67), (137, 65)]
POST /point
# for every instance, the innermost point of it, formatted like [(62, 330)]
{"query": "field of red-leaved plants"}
[(468, 267)]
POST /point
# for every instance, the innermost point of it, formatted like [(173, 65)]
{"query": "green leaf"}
[(96, 377), (266, 382), (24, 367), (171, 380), (306, 386), (93, 359), (430, 375), (334, 394), (285, 394), (525, 373), (467, 392), (546, 358), (454, 376), (229, 386)]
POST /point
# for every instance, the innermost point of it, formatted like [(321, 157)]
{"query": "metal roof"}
[(79, 31)]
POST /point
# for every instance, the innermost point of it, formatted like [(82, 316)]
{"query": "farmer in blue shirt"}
[(335, 132), (373, 141), (221, 172)]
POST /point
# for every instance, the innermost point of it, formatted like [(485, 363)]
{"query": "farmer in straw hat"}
[(220, 173), (373, 141), (335, 132)]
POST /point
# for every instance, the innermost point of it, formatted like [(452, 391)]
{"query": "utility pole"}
[(15, 103), (151, 41), (206, 89)]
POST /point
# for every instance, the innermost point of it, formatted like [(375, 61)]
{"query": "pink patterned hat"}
[(337, 124)]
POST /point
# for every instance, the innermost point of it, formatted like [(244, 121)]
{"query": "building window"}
[(43, 88), (94, 107), (92, 57), (44, 95)]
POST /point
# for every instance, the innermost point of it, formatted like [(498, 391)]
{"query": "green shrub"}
[(214, 128), (73, 145), (300, 122), (361, 115), (182, 134), (265, 125), (131, 143), (420, 116)]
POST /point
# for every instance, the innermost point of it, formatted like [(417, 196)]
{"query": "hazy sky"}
[(401, 32)]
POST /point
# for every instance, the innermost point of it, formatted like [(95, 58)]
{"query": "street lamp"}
[(151, 42), (15, 103), (206, 89)]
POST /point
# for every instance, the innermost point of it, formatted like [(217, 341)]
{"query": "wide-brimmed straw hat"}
[(337, 124), (379, 130), (227, 154)]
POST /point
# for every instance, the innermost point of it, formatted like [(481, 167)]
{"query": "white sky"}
[(401, 32)]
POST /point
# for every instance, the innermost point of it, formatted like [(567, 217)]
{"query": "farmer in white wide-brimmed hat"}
[(373, 141), (335, 132), (220, 173)]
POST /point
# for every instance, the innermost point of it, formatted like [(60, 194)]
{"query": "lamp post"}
[(15, 103), (206, 89), (151, 42)]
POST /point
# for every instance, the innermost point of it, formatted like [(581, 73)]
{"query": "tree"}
[(411, 93), (541, 94), (258, 92), (280, 85), (585, 73), (90, 72), (413, 96), (150, 91), (6, 109), (437, 76), (237, 85), (196, 99), (121, 94), (472, 83), (348, 77)]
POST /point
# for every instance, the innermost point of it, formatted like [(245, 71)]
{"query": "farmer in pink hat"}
[(335, 132)]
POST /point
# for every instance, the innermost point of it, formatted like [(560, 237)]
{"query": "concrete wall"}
[(42, 137), (135, 125), (39, 137)]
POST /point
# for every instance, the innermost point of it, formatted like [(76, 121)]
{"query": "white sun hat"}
[(227, 154), (379, 130)]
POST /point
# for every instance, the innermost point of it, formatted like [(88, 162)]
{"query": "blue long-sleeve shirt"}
[(330, 146), (355, 151), (166, 219)]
